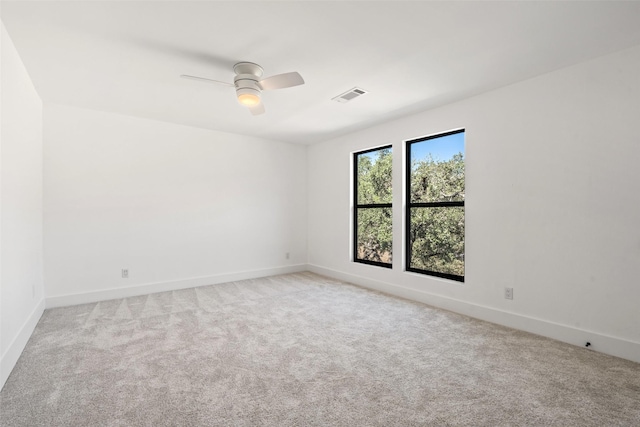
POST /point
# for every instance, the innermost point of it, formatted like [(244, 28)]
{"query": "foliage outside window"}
[(435, 205), (372, 207)]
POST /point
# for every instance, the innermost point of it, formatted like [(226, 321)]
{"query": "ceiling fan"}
[(249, 84)]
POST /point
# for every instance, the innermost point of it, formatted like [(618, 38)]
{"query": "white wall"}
[(21, 284), (177, 206), (552, 205)]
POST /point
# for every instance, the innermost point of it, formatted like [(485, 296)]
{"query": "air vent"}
[(349, 95)]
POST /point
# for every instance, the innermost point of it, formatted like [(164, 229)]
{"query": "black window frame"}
[(357, 206), (409, 205)]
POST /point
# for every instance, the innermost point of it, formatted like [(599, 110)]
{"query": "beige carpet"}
[(304, 350)]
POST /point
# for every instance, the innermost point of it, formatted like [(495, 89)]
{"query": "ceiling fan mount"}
[(249, 84), (248, 68)]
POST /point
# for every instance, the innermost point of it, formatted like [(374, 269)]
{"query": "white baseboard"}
[(599, 342), (13, 352), (150, 288)]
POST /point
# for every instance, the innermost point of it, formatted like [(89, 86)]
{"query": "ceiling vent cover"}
[(349, 95)]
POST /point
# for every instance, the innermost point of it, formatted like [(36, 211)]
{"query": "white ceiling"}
[(126, 57)]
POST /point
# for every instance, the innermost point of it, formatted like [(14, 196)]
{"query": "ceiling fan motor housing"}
[(247, 77)]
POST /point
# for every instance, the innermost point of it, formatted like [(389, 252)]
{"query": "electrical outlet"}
[(286, 255), (508, 293), (125, 273)]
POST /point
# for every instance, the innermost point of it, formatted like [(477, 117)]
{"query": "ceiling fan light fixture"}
[(248, 97)]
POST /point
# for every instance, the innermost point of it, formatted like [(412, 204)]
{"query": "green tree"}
[(374, 232), (437, 233)]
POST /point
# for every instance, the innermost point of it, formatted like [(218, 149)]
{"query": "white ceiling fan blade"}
[(281, 81), (257, 109), (202, 79)]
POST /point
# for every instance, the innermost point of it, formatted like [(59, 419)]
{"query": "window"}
[(435, 205), (372, 197)]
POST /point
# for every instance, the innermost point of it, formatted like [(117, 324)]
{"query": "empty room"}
[(319, 213)]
